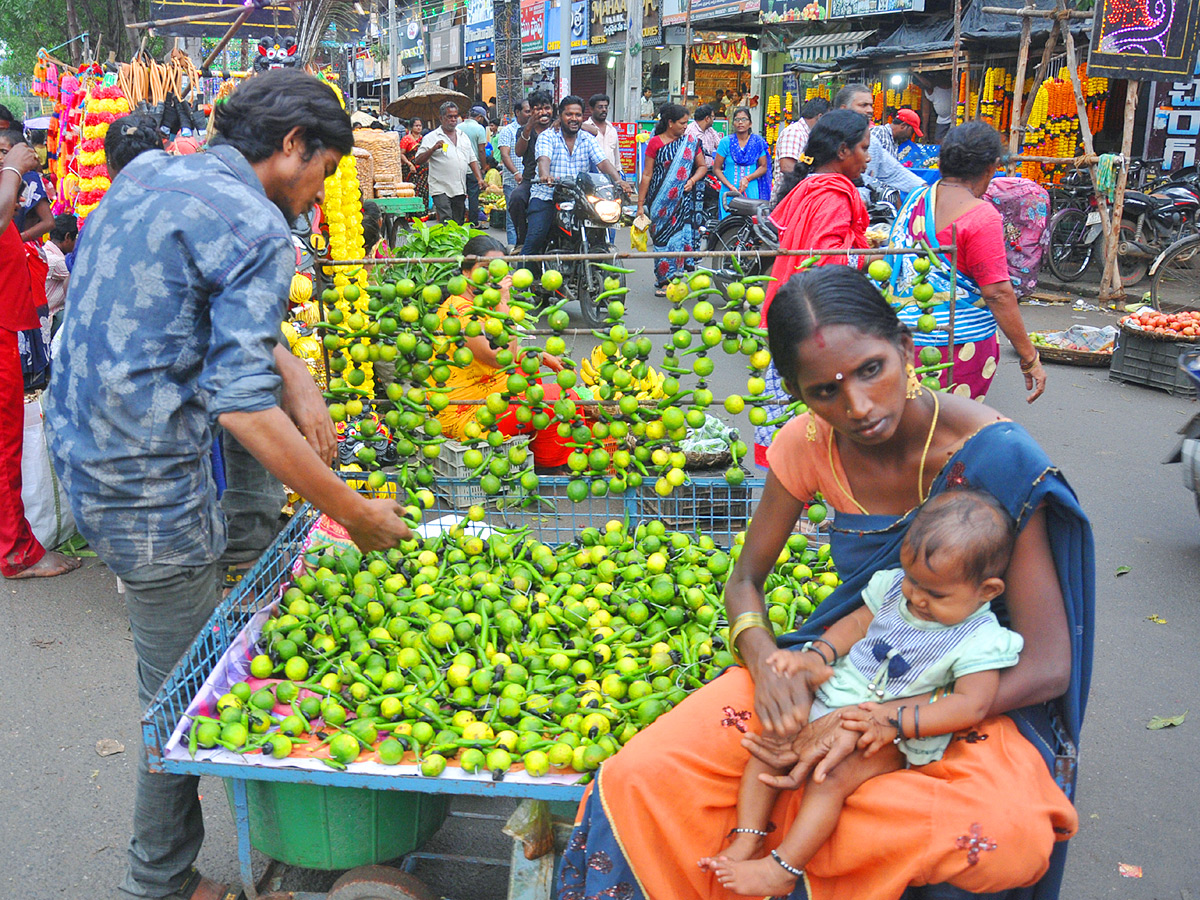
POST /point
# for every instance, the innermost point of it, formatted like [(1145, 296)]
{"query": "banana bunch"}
[(648, 388)]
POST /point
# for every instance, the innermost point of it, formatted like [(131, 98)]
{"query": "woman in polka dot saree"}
[(951, 212)]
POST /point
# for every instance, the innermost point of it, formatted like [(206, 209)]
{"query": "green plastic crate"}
[(330, 828)]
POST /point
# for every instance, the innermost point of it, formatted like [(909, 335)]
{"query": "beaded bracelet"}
[(899, 723), (757, 831)]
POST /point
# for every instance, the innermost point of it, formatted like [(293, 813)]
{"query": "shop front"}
[(479, 48)]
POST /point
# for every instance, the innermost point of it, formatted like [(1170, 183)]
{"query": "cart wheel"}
[(379, 883)]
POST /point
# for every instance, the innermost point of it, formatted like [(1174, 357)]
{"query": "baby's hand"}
[(871, 722), (800, 663)]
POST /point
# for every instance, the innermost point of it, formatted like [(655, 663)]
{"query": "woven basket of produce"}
[(1079, 345), (364, 162), (1181, 326)]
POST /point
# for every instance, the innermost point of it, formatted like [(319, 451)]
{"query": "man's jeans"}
[(252, 503), (168, 606), (518, 209), (541, 220), (472, 200), (510, 227)]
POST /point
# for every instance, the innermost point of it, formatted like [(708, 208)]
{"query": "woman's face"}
[(853, 159), (490, 255), (678, 127), (854, 381), (418, 128), (741, 123)]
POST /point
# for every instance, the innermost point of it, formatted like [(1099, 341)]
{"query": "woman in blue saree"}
[(674, 165), (993, 815), (743, 162)]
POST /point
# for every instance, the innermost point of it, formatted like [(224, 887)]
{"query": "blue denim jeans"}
[(510, 227), (541, 220), (252, 502), (168, 606)]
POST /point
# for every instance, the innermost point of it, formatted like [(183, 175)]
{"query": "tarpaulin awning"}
[(821, 47)]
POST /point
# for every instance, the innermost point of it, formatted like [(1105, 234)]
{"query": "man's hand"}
[(781, 703), (22, 157), (304, 405), (518, 176), (552, 362), (377, 525)]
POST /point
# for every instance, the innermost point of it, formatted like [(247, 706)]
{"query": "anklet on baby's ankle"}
[(748, 831), (787, 867)]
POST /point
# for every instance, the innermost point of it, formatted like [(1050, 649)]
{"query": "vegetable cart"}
[(396, 210), (321, 818)]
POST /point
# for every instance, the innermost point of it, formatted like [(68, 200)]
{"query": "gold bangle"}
[(1027, 367), (744, 622)]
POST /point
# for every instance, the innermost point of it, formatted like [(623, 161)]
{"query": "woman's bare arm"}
[(1002, 301), (644, 184)]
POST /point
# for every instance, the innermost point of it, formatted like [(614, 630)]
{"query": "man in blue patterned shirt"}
[(172, 327)]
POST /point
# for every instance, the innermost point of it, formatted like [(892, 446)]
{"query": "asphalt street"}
[(67, 669)]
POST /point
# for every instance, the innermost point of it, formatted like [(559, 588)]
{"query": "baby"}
[(925, 633)]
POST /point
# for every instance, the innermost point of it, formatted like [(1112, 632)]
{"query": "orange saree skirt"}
[(983, 818)]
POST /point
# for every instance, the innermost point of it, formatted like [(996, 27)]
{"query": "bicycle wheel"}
[(1176, 282), (1070, 254)]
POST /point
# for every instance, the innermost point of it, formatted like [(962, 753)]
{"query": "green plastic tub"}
[(331, 828)]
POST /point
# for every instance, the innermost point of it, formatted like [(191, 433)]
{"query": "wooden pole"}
[(957, 51), (1112, 273), (1039, 76), (183, 20), (1019, 85), (1028, 12), (237, 23), (1107, 224)]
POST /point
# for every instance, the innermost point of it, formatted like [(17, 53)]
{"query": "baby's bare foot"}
[(743, 846), (754, 877)]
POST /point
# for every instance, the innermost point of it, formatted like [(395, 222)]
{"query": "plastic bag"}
[(46, 507), (713, 436), (639, 234)]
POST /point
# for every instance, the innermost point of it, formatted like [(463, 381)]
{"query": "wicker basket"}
[(384, 147), (364, 162), (1099, 359)]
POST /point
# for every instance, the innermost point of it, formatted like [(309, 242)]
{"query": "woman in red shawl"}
[(823, 212)]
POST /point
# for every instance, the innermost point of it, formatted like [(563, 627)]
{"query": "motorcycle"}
[(587, 207), (748, 230), (1150, 223), (1187, 451)]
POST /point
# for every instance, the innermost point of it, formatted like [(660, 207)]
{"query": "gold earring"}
[(811, 431), (913, 388)]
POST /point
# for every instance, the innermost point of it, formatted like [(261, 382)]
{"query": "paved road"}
[(66, 664)]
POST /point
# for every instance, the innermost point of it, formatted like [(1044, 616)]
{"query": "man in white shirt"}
[(63, 233), (451, 156), (646, 109), (510, 163), (941, 97), (884, 169), (793, 139), (598, 126), (708, 138)]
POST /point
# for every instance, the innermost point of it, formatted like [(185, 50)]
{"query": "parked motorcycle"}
[(1188, 450), (587, 207), (1150, 223), (748, 230)]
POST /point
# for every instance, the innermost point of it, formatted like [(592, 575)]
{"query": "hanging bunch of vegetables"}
[(102, 106)]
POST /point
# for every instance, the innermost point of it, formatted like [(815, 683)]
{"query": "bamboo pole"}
[(237, 23), (955, 61), (1019, 84), (1037, 13), (1110, 227), (1112, 273), (183, 20), (1039, 76)]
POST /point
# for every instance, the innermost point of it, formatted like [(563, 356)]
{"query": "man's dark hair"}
[(842, 99), (6, 115), (541, 98), (519, 104), (65, 226), (446, 107), (260, 113), (647, 90), (129, 137), (970, 526), (14, 134), (598, 98), (570, 100), (817, 106), (372, 222), (703, 111)]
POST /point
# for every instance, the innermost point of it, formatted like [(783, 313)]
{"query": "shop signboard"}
[(579, 27), (610, 21), (1175, 124), (674, 12), (533, 26), (408, 36), (446, 48), (1144, 39), (480, 32), (812, 10)]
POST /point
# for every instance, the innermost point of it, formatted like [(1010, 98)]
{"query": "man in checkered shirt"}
[(562, 153), (793, 139)]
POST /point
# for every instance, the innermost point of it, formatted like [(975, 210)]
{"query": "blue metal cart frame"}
[(708, 505)]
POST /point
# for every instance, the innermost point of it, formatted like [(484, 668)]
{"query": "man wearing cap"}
[(887, 171), (474, 126)]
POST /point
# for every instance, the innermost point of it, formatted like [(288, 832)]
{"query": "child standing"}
[(925, 630)]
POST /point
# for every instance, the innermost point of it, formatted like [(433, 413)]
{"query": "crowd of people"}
[(945, 510)]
